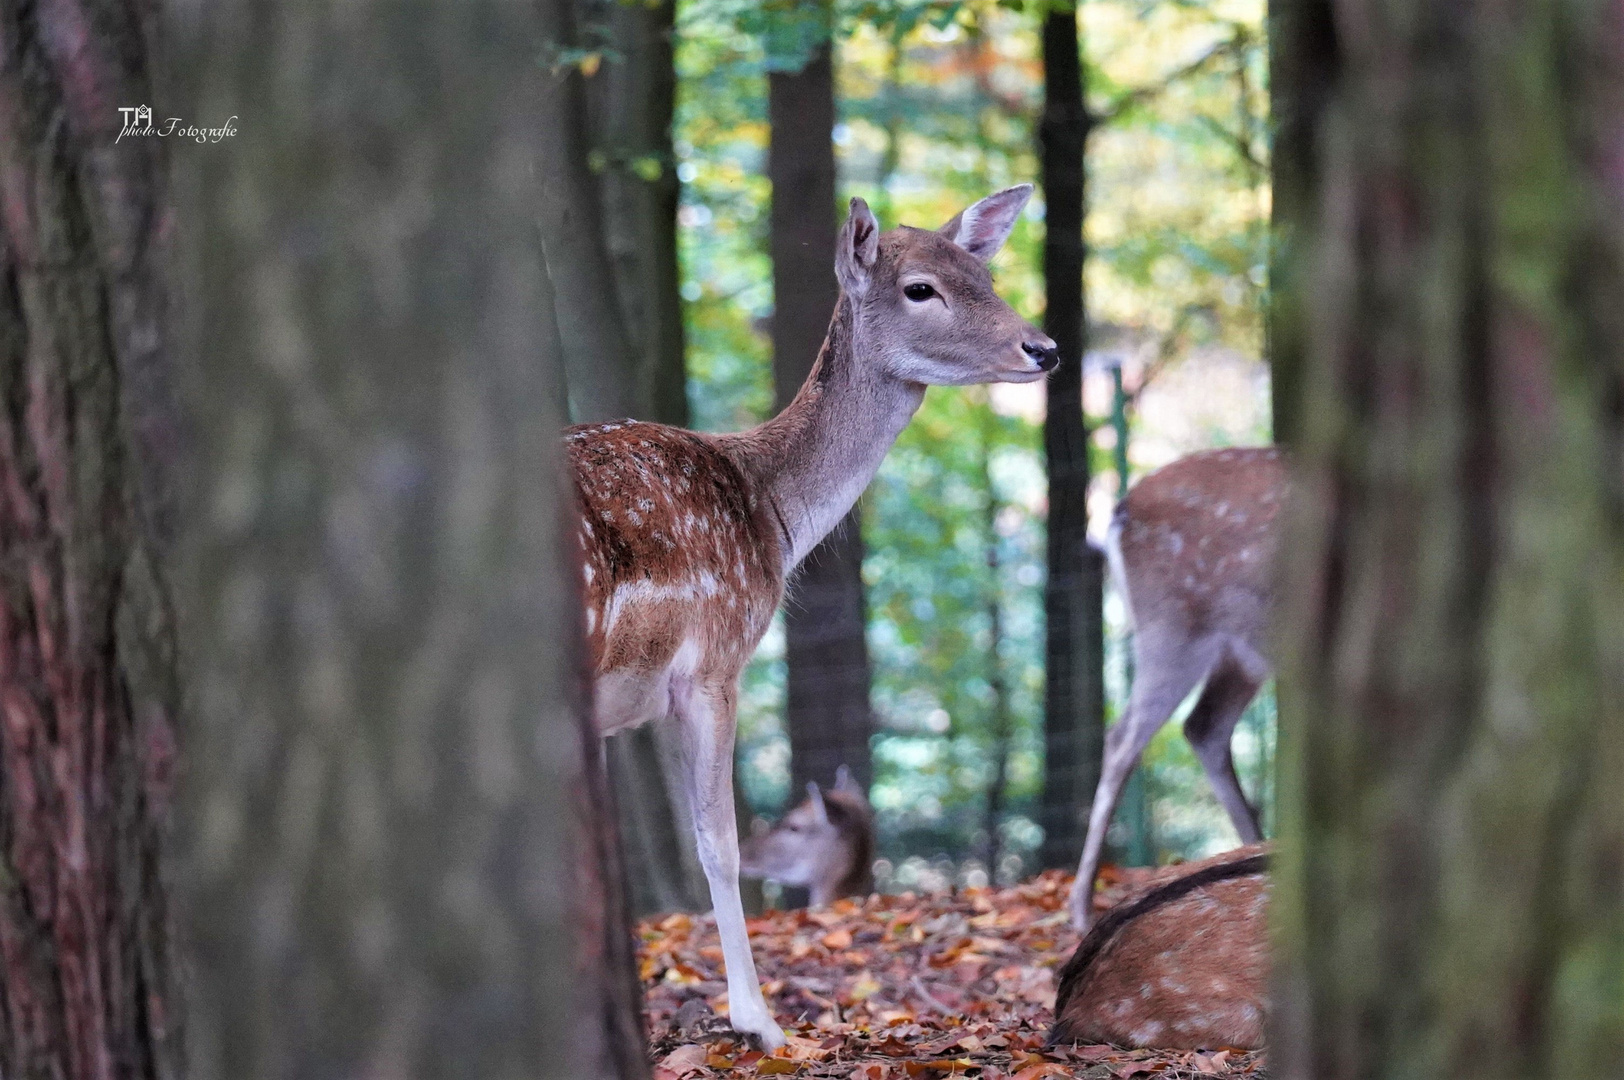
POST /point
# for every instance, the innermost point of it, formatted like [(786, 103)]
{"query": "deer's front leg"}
[(707, 720)]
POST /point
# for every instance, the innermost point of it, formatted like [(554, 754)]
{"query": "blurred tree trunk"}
[(632, 99), (825, 613), (1302, 66), (1303, 61), (1074, 658), (87, 670), (401, 863), (1451, 882)]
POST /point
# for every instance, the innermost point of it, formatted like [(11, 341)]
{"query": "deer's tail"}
[(1113, 559)]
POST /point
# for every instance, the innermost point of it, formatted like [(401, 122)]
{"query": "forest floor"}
[(897, 988)]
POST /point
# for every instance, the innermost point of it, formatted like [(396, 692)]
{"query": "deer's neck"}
[(814, 459)]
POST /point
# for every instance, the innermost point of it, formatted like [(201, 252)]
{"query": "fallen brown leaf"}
[(684, 1060)]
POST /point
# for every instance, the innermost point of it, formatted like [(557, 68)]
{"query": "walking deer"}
[(688, 538), (1183, 966), (1191, 548), (826, 844)]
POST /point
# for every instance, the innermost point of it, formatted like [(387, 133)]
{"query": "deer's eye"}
[(918, 292)]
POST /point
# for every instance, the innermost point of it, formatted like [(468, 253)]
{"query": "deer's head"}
[(923, 302), (826, 843)]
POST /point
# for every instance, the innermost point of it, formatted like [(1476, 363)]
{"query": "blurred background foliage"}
[(937, 103)]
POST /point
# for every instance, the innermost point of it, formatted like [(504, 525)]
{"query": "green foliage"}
[(929, 631)]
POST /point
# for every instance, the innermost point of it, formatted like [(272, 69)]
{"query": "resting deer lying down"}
[(1183, 966), (826, 844), (688, 537), (1192, 550)]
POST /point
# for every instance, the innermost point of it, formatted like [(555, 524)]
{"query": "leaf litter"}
[(900, 987)]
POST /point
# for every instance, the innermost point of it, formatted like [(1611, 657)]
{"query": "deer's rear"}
[(1192, 547)]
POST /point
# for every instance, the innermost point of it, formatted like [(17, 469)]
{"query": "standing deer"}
[(826, 844), (688, 538), (1191, 548)]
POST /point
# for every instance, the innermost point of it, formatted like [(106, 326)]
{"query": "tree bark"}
[(598, 351), (1303, 61), (87, 676), (1451, 882), (1074, 654), (632, 99), (825, 612), (400, 861), (636, 100), (1302, 67)]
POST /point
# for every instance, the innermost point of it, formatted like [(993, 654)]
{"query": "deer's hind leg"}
[(705, 716), (1168, 668), (1210, 727)]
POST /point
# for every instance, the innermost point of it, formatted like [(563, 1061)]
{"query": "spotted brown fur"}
[(668, 518), (1182, 966)]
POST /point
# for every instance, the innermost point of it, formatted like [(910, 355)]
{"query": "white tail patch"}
[(1119, 574)]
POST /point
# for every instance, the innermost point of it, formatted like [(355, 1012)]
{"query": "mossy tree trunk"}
[(87, 678), (400, 861), (1451, 884)]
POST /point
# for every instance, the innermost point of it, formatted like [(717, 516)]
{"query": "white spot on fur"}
[(1147, 1033), (642, 591)]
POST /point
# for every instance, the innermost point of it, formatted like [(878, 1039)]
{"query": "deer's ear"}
[(844, 781), (858, 249), (982, 227), (814, 795)]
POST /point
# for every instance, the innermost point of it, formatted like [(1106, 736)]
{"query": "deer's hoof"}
[(763, 1027)]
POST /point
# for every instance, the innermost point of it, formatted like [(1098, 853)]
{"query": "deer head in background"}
[(825, 844)]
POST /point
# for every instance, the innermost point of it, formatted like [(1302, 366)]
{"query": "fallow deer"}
[(1191, 549), (688, 538), (826, 844), (1184, 965)]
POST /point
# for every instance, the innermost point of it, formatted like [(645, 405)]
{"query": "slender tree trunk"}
[(1451, 883), (1001, 725), (633, 99), (1074, 656), (400, 862), (825, 612), (87, 672)]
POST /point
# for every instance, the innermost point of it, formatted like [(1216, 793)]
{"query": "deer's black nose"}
[(1045, 352)]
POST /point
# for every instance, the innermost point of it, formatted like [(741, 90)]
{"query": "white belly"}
[(627, 699)]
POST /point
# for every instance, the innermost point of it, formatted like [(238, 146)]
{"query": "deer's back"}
[(677, 549), (1184, 966), (1197, 540)]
